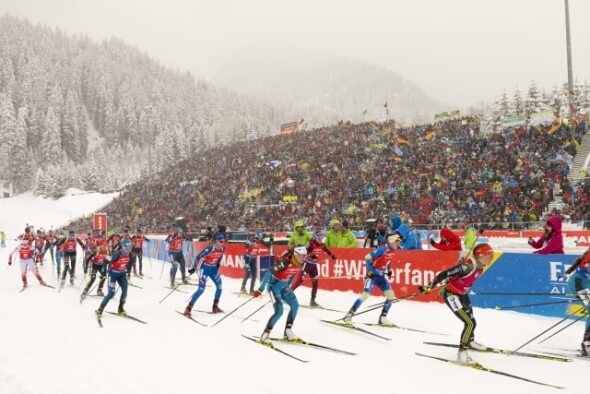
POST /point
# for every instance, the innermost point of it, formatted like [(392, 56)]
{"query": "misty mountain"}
[(339, 88)]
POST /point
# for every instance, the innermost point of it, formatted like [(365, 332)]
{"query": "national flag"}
[(301, 121), (403, 140), (365, 112), (397, 158), (289, 127), (390, 190), (429, 134)]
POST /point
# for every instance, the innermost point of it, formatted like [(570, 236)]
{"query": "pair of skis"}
[(123, 316), (483, 368), (300, 342), (44, 285)]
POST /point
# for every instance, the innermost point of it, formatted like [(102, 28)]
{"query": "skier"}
[(378, 264), (69, 248), (254, 248), (310, 266), (137, 253), (208, 262), (39, 243), (175, 242), (50, 241), (579, 283), (25, 254), (117, 269), (278, 277), (455, 292), (89, 247), (98, 257)]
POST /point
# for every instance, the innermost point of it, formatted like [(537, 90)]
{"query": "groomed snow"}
[(50, 343)]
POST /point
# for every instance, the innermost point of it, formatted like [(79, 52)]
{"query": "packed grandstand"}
[(446, 173)]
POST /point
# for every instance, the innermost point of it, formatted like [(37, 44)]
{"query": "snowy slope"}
[(52, 344)]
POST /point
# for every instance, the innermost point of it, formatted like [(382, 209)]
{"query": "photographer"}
[(376, 231)]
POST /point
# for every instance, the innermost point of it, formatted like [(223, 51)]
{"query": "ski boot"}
[(243, 291), (290, 335), (348, 317), (384, 321), (99, 292), (463, 357), (265, 337), (188, 309), (121, 311), (586, 349), (215, 308), (99, 311), (313, 303), (477, 346)]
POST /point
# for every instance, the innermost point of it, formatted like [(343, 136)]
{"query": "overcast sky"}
[(458, 51)]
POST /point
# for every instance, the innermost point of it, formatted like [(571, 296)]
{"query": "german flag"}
[(429, 134), (403, 140)]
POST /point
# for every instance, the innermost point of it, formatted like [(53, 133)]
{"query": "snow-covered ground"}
[(50, 343)]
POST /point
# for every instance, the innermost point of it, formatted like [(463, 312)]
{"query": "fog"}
[(458, 51)]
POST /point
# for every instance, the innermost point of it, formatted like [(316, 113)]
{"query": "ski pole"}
[(257, 309), (535, 304), (230, 313), (547, 330), (561, 329), (520, 294), (162, 270), (380, 305), (170, 292)]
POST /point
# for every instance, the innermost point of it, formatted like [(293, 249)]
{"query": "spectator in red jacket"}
[(551, 242), (448, 241)]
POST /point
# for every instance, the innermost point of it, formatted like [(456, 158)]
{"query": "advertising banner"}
[(520, 279), (99, 222), (513, 281)]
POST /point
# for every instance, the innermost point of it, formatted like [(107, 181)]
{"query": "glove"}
[(562, 278), (389, 273), (432, 241), (333, 256), (424, 289), (272, 238), (191, 271), (584, 296), (370, 274), (9, 262), (256, 293)]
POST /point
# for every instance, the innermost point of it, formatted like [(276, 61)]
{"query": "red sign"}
[(99, 222)]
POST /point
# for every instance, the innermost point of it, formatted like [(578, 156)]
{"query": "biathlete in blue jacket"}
[(117, 269), (378, 264), (278, 277), (207, 262)]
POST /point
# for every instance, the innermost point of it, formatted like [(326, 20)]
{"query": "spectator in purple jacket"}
[(552, 241)]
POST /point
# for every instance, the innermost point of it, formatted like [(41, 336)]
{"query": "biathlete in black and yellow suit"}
[(455, 292)]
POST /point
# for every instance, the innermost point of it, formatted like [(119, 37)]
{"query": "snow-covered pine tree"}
[(70, 135), (50, 150), (20, 164)]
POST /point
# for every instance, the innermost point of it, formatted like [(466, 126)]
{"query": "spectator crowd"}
[(444, 173)]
